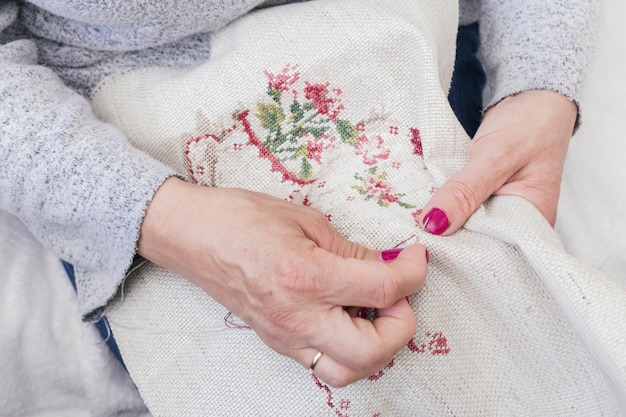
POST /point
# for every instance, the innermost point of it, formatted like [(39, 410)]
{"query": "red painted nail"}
[(390, 254), (362, 313), (436, 222), (427, 256), (407, 299)]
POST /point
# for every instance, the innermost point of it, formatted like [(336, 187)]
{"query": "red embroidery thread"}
[(416, 141)]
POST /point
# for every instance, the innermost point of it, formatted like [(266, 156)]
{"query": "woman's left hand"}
[(519, 149)]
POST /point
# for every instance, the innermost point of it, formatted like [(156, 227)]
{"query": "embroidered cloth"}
[(341, 105)]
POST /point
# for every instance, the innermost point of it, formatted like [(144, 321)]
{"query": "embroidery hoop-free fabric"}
[(509, 324)]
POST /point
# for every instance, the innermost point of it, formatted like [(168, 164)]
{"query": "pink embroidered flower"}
[(316, 146), (284, 79), (380, 189), (372, 150), (375, 186), (325, 101)]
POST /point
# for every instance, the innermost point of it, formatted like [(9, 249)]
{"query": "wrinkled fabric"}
[(82, 189)]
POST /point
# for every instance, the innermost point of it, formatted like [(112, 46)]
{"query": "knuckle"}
[(465, 196), (318, 219), (388, 293), (368, 359), (297, 276), (339, 381)]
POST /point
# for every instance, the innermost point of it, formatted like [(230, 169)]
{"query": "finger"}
[(453, 204), (326, 237), (355, 349), (370, 283), (543, 196)]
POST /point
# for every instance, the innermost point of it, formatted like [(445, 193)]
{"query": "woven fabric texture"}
[(341, 105)]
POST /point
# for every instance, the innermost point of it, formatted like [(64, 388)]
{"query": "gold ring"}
[(316, 359)]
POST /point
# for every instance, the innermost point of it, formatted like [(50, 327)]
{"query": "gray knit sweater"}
[(82, 189)]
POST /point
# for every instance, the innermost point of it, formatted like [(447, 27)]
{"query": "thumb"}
[(456, 200)]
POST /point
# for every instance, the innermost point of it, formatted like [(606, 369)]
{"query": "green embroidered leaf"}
[(306, 170), (347, 131), (297, 112), (271, 116), (372, 170), (405, 205), (307, 106), (316, 131), (301, 152), (274, 94), (360, 189)]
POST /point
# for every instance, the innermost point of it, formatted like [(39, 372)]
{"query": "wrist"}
[(156, 236), (543, 107)]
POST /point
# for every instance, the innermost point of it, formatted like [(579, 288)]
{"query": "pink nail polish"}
[(427, 256), (436, 222), (407, 299), (362, 313), (390, 254)]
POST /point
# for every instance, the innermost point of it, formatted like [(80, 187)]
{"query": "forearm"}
[(533, 44), (74, 181)]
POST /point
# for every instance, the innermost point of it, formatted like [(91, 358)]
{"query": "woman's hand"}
[(285, 271), (519, 150)]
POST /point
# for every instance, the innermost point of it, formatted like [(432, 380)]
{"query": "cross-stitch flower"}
[(372, 150), (375, 186), (284, 79), (380, 189), (297, 128), (317, 145), (326, 102)]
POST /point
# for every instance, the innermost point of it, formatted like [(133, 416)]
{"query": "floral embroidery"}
[(296, 126), (375, 186), (305, 130), (301, 130), (325, 101), (437, 345), (283, 80), (372, 150)]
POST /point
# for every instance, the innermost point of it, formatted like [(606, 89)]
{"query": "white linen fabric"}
[(341, 105)]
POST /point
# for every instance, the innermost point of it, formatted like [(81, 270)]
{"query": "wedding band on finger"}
[(316, 359)]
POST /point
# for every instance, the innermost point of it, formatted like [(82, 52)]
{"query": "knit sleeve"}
[(74, 181), (537, 44)]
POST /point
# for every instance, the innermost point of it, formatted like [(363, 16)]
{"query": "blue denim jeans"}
[(101, 325), (468, 80), (465, 97)]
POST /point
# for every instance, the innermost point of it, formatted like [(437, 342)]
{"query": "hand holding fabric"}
[(519, 149), (284, 270)]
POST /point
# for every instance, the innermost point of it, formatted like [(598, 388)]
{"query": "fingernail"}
[(427, 256), (436, 222), (407, 299), (390, 254), (362, 313)]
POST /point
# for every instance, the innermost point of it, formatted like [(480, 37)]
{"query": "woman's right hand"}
[(285, 271)]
